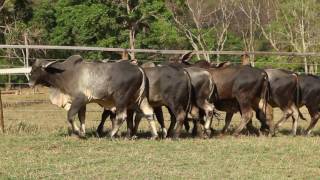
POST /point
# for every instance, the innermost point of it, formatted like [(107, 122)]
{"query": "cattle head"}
[(39, 71), (42, 69)]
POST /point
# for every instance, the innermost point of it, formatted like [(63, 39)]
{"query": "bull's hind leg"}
[(172, 123), (180, 118), (198, 117), (315, 115), (208, 110), (159, 115), (265, 114), (121, 116), (247, 114), (148, 112), (287, 113), (76, 105), (227, 122), (295, 117), (104, 116), (130, 124), (137, 120)]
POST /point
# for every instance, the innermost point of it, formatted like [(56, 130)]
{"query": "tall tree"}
[(290, 25), (205, 23)]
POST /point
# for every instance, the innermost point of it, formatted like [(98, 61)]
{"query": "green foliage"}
[(106, 23)]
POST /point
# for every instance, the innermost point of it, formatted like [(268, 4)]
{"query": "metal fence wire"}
[(21, 103)]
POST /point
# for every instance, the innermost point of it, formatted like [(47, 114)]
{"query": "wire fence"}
[(20, 103), (12, 81)]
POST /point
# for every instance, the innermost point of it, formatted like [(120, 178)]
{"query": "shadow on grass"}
[(300, 132), (91, 133)]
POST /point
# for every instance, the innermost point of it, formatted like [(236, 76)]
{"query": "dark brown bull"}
[(309, 90), (284, 94), (241, 88), (238, 88), (310, 97)]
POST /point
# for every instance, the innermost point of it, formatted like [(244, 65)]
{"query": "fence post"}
[(1, 115), (26, 63)]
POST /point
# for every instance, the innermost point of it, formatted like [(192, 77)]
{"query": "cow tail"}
[(142, 90), (188, 108), (266, 92), (298, 97), (212, 96)]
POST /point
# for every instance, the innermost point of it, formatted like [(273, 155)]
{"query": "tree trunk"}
[(305, 64), (1, 116), (132, 42)]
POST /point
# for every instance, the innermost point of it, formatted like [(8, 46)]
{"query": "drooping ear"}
[(186, 57)]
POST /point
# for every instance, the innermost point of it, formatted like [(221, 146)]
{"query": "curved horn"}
[(48, 64), (186, 57)]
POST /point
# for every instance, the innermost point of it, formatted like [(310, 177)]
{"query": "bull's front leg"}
[(82, 117), (76, 105)]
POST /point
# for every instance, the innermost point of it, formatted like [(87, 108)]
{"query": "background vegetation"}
[(266, 25)]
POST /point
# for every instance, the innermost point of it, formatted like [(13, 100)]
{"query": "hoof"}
[(99, 134), (82, 136), (208, 132), (307, 133), (237, 135), (131, 137), (70, 132), (175, 136), (164, 133), (134, 137), (73, 133), (154, 138)]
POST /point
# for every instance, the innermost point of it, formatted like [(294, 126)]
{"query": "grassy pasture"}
[(36, 146)]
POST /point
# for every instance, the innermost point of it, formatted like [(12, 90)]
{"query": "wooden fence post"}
[(1, 115)]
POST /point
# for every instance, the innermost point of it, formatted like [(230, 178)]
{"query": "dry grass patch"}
[(36, 146)]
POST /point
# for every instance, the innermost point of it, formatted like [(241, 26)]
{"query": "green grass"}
[(36, 146), (55, 156)]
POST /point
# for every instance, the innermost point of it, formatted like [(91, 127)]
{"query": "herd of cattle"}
[(195, 92)]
